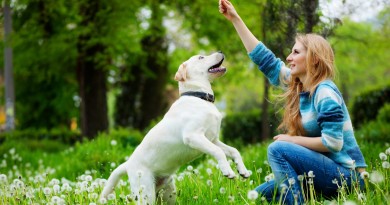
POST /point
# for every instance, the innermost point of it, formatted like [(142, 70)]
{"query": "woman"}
[(319, 142)]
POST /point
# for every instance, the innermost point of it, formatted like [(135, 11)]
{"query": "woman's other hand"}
[(227, 9)]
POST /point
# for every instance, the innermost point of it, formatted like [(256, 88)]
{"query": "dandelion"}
[(382, 156), (195, 197), (56, 188), (283, 188), (364, 175), (102, 201), (262, 198), (300, 178), (92, 203), (71, 26), (12, 151), (209, 171), (291, 181), (111, 197), (209, 182), (361, 197), (349, 202), (114, 142), (334, 181), (46, 190), (190, 168), (180, 178), (311, 174), (252, 195), (269, 177), (93, 196), (387, 151), (196, 171), (215, 201), (88, 178), (231, 199), (376, 177), (113, 164), (386, 165), (222, 190), (56, 200), (259, 170)]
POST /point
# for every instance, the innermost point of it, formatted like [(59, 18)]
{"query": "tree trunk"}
[(91, 77), (8, 71)]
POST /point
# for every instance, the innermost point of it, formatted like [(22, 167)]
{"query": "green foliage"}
[(246, 126), (366, 106), (376, 130), (384, 113)]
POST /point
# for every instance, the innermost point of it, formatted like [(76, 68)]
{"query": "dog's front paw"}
[(227, 170), (245, 173)]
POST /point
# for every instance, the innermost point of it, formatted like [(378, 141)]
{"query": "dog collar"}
[(202, 95)]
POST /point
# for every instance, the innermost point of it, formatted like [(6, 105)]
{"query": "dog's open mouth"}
[(217, 68)]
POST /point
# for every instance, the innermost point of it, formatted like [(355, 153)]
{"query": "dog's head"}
[(201, 68)]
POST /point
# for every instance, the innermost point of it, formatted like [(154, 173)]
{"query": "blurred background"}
[(73, 69)]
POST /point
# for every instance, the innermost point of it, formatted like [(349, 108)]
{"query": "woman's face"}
[(297, 61)]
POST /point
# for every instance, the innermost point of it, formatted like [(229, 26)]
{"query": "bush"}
[(62, 135), (366, 106), (384, 113), (246, 127)]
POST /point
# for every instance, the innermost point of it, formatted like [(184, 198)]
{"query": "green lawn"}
[(75, 175)]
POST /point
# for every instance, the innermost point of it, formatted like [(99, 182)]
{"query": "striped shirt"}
[(323, 114)]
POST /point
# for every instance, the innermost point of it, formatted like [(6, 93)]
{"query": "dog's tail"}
[(113, 180)]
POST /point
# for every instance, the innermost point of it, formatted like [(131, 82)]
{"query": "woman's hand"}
[(283, 137), (227, 9)]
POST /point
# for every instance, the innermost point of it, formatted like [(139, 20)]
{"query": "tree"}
[(8, 71)]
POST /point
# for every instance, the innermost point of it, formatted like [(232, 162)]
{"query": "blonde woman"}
[(319, 142)]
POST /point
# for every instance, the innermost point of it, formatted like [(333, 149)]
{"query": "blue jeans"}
[(289, 160)]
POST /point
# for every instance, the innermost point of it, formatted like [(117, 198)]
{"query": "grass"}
[(76, 175)]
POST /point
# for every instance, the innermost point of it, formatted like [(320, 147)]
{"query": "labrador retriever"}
[(190, 128)]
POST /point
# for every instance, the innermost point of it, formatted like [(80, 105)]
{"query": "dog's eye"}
[(201, 57)]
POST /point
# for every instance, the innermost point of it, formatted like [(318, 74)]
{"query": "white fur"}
[(190, 128)]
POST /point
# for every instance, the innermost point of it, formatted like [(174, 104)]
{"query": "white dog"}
[(190, 128)]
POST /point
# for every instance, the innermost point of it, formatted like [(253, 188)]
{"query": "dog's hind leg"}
[(142, 186), (166, 191), (113, 180), (235, 155)]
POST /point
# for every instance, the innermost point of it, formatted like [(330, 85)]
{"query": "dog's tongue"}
[(216, 70)]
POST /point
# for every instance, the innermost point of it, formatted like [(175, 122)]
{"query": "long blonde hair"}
[(319, 67)]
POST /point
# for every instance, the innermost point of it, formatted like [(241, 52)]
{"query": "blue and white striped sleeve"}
[(273, 68), (328, 104)]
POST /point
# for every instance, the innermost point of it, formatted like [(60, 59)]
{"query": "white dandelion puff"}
[(222, 190), (376, 177), (190, 168), (114, 142), (56, 188), (387, 151), (113, 164), (364, 175), (111, 197), (88, 178), (291, 181), (46, 190), (259, 170), (252, 195), (386, 165), (209, 171), (231, 199), (215, 201), (102, 201), (349, 202), (300, 178), (310, 174), (180, 178), (209, 182), (382, 156), (334, 181)]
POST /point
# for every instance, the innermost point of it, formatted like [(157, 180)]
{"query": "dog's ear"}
[(181, 74)]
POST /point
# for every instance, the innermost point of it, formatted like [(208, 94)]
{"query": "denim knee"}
[(267, 190)]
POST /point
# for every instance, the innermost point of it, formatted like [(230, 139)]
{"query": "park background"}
[(91, 77)]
